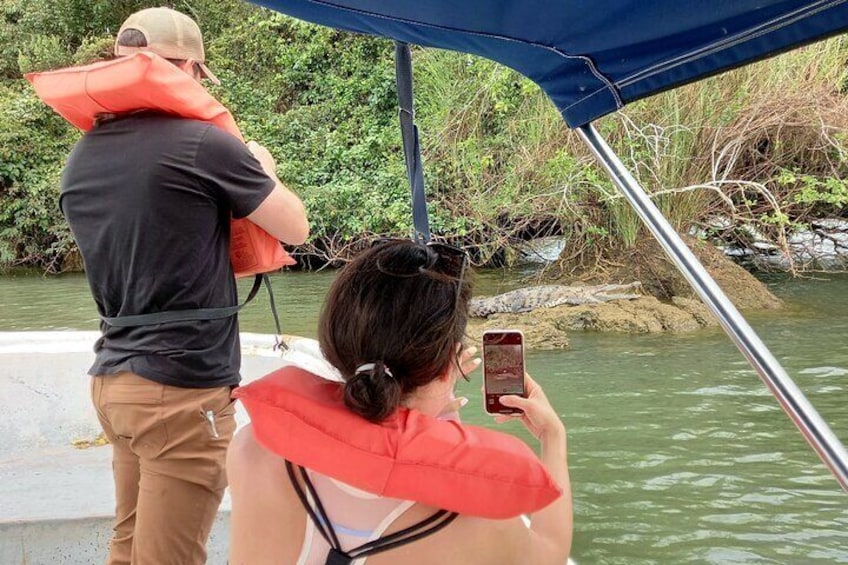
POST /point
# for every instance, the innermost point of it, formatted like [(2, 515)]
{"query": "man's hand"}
[(264, 157), (282, 213)]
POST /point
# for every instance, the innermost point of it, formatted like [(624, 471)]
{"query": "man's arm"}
[(282, 213)]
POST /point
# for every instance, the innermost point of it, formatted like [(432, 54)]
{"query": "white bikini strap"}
[(385, 523), (391, 517)]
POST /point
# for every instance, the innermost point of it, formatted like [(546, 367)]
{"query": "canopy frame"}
[(790, 398)]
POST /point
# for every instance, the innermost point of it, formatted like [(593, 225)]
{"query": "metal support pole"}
[(790, 397)]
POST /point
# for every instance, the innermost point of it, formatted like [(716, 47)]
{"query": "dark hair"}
[(132, 37), (396, 306)]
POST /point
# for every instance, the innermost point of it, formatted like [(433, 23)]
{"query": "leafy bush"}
[(500, 165), (33, 147)]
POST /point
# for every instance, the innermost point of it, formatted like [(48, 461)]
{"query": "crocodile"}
[(529, 298)]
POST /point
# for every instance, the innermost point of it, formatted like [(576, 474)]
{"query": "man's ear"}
[(192, 69)]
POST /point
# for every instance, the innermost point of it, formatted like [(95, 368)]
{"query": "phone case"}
[(503, 368)]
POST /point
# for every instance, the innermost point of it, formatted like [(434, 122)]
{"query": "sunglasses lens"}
[(451, 259)]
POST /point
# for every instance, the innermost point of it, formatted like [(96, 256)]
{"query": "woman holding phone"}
[(393, 325)]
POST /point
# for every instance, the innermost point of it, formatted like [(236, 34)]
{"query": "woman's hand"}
[(554, 524), (538, 416), (466, 363)]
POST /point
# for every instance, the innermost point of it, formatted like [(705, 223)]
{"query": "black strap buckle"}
[(337, 557)]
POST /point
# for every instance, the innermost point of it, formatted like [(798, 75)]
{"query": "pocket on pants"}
[(134, 414), (213, 423), (220, 421)]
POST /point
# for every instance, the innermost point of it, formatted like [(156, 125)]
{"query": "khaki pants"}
[(169, 451)]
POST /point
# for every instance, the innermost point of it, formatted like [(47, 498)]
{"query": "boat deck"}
[(57, 499)]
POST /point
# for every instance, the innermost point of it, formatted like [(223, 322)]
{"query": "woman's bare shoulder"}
[(267, 522), (500, 541), (247, 456)]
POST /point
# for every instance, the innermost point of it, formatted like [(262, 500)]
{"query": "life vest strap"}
[(194, 314), (279, 343), (337, 556)]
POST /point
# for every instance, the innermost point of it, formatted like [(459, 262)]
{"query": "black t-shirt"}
[(149, 200)]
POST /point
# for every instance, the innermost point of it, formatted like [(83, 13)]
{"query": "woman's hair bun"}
[(372, 392)]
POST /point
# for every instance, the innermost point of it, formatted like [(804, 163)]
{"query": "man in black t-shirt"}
[(149, 199)]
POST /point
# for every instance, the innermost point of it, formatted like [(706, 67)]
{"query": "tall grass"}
[(721, 147), (764, 145)]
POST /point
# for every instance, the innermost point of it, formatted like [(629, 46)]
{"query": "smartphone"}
[(503, 368)]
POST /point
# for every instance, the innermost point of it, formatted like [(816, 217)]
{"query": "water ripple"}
[(824, 371)]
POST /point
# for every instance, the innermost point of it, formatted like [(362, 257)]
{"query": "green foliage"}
[(829, 192), (93, 49), (33, 147), (498, 159), (324, 104), (42, 53)]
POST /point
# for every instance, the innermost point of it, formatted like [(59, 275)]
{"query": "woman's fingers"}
[(450, 411), (501, 418), (470, 365), (514, 401), (467, 360), (537, 414)]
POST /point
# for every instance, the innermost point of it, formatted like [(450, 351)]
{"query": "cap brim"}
[(208, 74)]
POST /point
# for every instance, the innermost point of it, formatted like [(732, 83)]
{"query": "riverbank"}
[(31, 301), (669, 303)]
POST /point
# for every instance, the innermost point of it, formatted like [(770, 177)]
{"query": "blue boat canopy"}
[(591, 57)]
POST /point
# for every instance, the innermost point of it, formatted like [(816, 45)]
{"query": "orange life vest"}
[(441, 463), (145, 81)]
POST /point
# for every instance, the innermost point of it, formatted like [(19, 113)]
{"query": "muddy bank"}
[(646, 262), (547, 328), (542, 331), (669, 304)]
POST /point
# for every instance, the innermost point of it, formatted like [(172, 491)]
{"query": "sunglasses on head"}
[(440, 258)]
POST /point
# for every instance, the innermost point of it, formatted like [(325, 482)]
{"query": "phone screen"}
[(503, 368)]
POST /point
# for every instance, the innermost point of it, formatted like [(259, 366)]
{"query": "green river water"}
[(678, 453)]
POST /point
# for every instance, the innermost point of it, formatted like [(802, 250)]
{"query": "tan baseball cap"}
[(170, 34)]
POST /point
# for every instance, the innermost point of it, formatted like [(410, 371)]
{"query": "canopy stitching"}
[(764, 28)]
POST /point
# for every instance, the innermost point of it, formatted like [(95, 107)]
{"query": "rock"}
[(540, 332), (542, 250), (548, 328), (672, 305), (697, 309), (823, 246), (644, 315)]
